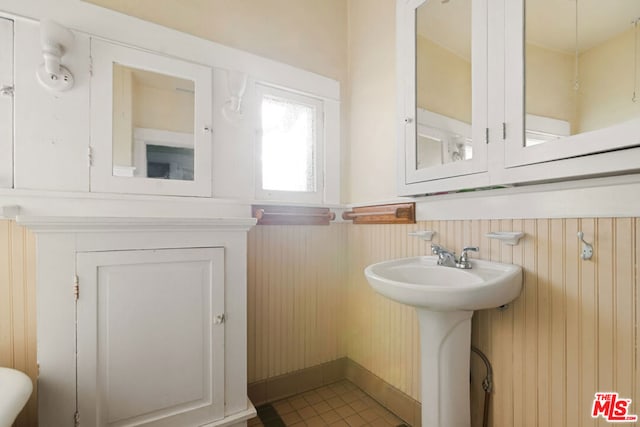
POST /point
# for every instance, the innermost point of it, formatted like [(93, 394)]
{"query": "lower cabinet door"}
[(150, 337)]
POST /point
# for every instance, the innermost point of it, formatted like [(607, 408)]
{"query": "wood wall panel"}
[(296, 297), (572, 332), (17, 308)]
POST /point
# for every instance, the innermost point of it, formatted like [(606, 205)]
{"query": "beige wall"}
[(371, 169), (310, 34)]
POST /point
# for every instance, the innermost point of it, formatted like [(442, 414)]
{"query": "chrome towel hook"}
[(587, 249)]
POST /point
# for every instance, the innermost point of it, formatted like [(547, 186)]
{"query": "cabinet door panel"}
[(571, 86), (6, 103), (151, 123), (442, 57), (149, 352)]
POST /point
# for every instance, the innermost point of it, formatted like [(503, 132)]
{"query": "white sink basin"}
[(445, 298), (15, 389), (420, 282)]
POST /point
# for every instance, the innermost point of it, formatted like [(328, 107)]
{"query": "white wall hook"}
[(587, 249)]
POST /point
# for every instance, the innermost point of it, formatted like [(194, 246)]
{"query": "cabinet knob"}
[(207, 129), (408, 120)]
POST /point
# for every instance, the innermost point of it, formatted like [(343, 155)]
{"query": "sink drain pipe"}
[(487, 385)]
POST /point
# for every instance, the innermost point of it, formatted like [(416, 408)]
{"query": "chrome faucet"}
[(447, 258)]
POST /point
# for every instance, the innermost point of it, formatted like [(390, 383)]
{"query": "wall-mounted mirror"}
[(153, 124), (581, 67), (150, 122), (443, 82)]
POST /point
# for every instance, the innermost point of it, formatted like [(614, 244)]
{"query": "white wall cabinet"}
[(134, 92), (6, 103), (51, 128), (157, 336), (412, 17), (151, 337), (539, 110)]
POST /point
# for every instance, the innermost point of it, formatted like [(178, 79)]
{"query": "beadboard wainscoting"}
[(18, 308), (296, 297), (572, 332)]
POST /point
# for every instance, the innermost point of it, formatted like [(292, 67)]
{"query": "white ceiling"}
[(550, 23)]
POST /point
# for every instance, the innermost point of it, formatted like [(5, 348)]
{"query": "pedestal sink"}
[(445, 298)]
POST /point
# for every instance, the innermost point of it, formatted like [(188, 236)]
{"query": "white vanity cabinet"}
[(6, 103), (483, 102), (151, 337), (151, 129), (141, 321)]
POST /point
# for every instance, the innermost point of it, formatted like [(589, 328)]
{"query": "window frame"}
[(318, 195)]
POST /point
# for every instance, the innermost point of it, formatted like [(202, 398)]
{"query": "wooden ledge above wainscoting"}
[(398, 213), (291, 215)]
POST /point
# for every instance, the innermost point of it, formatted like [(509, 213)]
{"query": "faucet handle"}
[(464, 257), (470, 248), (436, 249)]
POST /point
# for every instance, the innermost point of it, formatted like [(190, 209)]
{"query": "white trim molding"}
[(100, 224)]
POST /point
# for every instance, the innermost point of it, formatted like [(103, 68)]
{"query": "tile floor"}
[(341, 404)]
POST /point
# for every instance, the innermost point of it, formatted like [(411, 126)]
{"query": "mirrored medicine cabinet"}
[(151, 131), (482, 101)]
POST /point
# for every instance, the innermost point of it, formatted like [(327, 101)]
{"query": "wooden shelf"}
[(398, 213), (291, 215)]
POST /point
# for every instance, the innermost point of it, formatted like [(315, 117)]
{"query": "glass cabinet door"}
[(151, 123), (572, 79), (444, 44)]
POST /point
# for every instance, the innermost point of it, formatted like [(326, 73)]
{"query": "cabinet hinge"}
[(486, 136), (76, 287), (76, 419), (91, 66), (90, 156), (6, 90), (504, 131)]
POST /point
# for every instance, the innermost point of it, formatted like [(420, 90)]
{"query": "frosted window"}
[(288, 145)]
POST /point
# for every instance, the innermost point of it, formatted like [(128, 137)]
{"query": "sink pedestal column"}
[(445, 343)]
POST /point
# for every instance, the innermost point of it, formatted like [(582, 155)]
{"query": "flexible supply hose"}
[(487, 385)]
